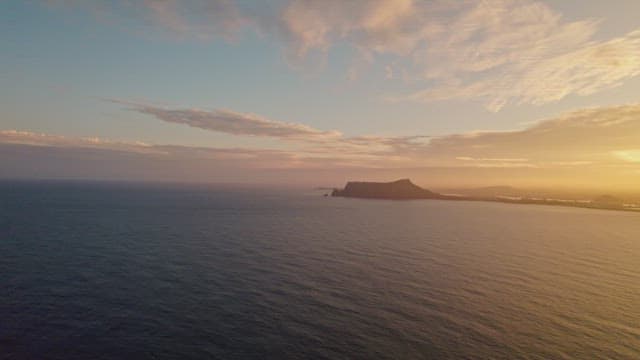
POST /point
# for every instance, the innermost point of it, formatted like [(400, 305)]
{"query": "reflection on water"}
[(113, 271)]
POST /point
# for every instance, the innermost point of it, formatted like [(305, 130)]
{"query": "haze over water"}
[(117, 271)]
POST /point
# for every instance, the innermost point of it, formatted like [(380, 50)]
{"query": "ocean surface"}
[(130, 271)]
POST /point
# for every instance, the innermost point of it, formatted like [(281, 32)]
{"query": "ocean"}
[(133, 271)]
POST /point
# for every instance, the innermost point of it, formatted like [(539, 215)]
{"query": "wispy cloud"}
[(590, 146), (591, 136), (200, 18), (48, 140), (318, 156), (232, 122), (581, 137), (550, 75), (311, 139), (371, 25), (192, 19), (497, 52)]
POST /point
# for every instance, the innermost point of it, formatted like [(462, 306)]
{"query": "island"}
[(404, 189)]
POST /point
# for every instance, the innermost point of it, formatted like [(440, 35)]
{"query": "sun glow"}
[(628, 155)]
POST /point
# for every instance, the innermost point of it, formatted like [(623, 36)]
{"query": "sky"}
[(308, 92)]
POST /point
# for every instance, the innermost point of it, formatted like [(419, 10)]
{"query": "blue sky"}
[(379, 68)]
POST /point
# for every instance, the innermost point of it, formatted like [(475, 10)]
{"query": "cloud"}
[(578, 138), (370, 25), (584, 137), (238, 157), (47, 140), (309, 143), (234, 123), (595, 147), (200, 18), (498, 52), (312, 141), (595, 136), (192, 19), (469, 158), (543, 78)]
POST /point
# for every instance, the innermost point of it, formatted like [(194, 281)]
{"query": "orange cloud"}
[(594, 147)]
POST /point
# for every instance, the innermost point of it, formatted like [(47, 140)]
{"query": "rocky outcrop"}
[(397, 190)]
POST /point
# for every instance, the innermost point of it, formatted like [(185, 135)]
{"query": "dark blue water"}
[(117, 271)]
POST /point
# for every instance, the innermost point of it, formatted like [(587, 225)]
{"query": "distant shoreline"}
[(405, 190), (559, 203), (563, 203)]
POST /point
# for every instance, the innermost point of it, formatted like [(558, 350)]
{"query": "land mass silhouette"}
[(404, 189)]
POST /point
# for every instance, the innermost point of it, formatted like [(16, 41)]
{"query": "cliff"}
[(397, 190)]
